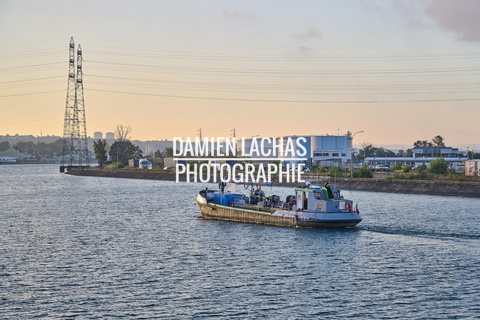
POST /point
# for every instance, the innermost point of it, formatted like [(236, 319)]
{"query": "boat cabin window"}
[(336, 194), (318, 195)]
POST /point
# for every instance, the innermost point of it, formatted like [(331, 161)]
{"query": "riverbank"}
[(430, 187)]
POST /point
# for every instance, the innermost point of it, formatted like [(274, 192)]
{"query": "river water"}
[(103, 248)]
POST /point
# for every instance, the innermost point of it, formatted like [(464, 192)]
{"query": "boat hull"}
[(219, 212)]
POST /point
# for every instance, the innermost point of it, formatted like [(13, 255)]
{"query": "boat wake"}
[(419, 233)]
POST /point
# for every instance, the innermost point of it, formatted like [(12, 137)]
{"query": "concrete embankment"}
[(432, 187), (128, 174)]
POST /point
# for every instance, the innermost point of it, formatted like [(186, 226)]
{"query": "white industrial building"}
[(331, 150), (327, 150)]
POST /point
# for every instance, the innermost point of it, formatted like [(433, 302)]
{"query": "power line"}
[(257, 85), (291, 72), (288, 101), (238, 73), (29, 93), (32, 66), (34, 79)]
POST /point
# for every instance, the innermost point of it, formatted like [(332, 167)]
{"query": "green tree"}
[(122, 151), (168, 152), (405, 153), (100, 150), (335, 171), (401, 153), (49, 148), (135, 151), (4, 145), (363, 172), (437, 141), (43, 148), (318, 169), (421, 168), (397, 166), (56, 146), (422, 143), (26, 147), (368, 150), (382, 152), (438, 166), (122, 133)]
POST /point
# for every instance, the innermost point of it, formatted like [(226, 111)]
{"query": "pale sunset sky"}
[(400, 71)]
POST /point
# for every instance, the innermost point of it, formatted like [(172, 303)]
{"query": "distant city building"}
[(97, 136), (109, 136), (150, 147)]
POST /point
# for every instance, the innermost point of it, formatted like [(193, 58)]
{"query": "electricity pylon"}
[(75, 147)]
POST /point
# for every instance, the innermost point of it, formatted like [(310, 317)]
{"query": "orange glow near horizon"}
[(220, 66)]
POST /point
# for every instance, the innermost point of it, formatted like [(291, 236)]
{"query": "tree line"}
[(368, 150), (35, 149)]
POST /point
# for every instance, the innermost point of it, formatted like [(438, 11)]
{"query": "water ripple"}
[(90, 248)]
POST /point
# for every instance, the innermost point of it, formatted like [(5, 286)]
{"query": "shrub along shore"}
[(430, 187)]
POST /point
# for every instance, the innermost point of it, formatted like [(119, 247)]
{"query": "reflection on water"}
[(116, 248)]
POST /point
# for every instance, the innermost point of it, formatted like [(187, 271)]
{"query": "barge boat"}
[(309, 207)]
